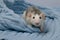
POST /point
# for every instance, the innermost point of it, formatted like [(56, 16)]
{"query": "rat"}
[(33, 16)]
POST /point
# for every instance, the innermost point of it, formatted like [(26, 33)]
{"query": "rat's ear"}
[(43, 16), (24, 14), (29, 14)]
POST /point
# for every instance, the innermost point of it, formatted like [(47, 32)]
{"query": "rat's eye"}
[(40, 17), (33, 17)]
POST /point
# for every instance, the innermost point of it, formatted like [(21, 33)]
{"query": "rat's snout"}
[(37, 22)]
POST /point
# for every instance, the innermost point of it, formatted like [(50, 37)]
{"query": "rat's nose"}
[(37, 23)]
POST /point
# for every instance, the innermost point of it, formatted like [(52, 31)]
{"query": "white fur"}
[(30, 21), (36, 20)]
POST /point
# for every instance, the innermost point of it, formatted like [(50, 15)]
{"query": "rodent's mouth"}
[(36, 26)]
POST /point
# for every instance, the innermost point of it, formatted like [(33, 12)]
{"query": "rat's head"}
[(37, 19), (34, 16)]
